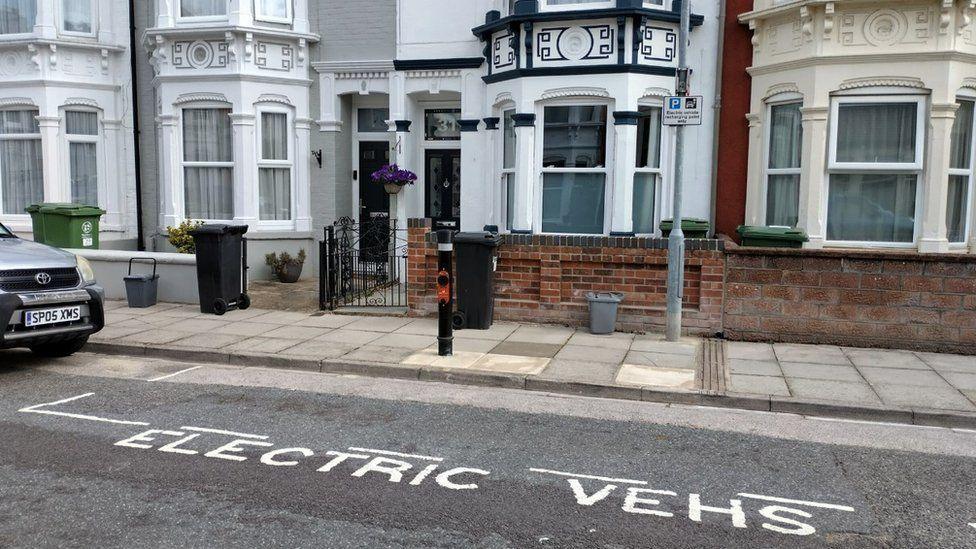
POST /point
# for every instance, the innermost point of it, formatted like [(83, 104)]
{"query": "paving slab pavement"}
[(862, 383)]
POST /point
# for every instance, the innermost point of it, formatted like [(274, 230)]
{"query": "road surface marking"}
[(574, 475), (874, 423), (36, 409), (973, 524), (223, 432), (397, 454), (799, 502), (174, 374)]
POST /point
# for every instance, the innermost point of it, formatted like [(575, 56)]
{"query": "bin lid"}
[(604, 297), (217, 228), (687, 222), (786, 234), (482, 237), (72, 210), (141, 277)]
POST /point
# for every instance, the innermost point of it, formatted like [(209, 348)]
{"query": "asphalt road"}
[(94, 454)]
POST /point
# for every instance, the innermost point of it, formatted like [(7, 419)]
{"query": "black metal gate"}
[(363, 264)]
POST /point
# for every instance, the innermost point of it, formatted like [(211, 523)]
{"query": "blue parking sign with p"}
[(675, 103)]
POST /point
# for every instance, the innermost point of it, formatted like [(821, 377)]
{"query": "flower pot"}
[(392, 188), (290, 272)]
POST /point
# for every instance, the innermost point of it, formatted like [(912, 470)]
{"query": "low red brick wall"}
[(852, 297), (545, 278)]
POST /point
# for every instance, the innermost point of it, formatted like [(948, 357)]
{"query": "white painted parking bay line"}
[(799, 502), (223, 432), (574, 475), (397, 454), (174, 374), (36, 409)]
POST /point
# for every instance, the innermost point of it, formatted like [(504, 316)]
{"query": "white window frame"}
[(544, 5), (78, 138), (776, 101), (19, 221), (19, 35), (504, 172), (651, 6), (262, 163), (94, 20), (542, 170), (660, 171), (258, 16), (841, 168), (970, 174), (180, 18), (184, 164)]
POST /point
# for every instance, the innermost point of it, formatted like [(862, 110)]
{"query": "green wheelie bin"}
[(771, 237), (67, 225)]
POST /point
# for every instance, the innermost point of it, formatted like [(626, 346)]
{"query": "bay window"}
[(274, 168), (875, 163), (574, 170), (81, 129), (77, 16), (960, 173), (17, 16), (208, 164), (509, 149), (21, 161), (203, 8), (647, 177), (274, 11), (783, 167), (547, 5)]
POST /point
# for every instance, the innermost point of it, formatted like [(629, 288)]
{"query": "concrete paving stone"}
[(113, 304), (301, 333), (814, 354), (959, 380), (971, 395), (657, 344), (279, 317), (645, 376), (609, 341), (661, 360), (830, 372), (511, 364), (319, 349), (385, 324), (198, 325), (156, 320), (330, 321), (247, 329), (591, 354), (759, 385), (522, 348), (901, 376), (579, 371), (208, 341), (181, 312), (377, 353), (115, 332), (352, 337), (885, 359), (858, 393), (262, 345), (409, 342), (113, 317), (155, 337), (497, 332), (949, 363), (421, 326), (749, 351), (465, 345), (943, 398), (142, 311), (552, 335), (237, 315), (754, 367), (429, 357)]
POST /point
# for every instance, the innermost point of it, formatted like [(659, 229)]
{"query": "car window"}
[(5, 232)]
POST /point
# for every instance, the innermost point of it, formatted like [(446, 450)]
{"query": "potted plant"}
[(288, 269), (393, 178)]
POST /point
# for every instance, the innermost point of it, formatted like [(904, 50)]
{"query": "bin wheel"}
[(219, 307), (243, 302), (459, 320)]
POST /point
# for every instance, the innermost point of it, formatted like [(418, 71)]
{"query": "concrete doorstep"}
[(855, 384)]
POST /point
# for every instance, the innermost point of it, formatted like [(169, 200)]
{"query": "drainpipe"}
[(135, 125), (717, 106)]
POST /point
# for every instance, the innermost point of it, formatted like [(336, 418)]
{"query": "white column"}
[(303, 179), (402, 145), (170, 173), (45, 22), (492, 181), (813, 178), (755, 182), (474, 168), (246, 198), (166, 12), (112, 188), (55, 185), (624, 164), (240, 13), (525, 173), (934, 181), (330, 105), (301, 16)]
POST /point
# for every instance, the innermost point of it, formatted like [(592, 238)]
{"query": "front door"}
[(374, 202), (444, 187)]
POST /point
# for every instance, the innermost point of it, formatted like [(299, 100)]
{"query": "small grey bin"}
[(141, 289), (603, 311)]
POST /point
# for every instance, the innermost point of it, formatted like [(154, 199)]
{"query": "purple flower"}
[(391, 173)]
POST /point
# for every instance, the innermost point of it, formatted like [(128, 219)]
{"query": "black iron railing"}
[(363, 264)]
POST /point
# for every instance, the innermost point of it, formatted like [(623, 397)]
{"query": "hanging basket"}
[(392, 188)]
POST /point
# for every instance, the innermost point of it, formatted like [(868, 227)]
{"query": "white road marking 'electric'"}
[(574, 475), (223, 432), (174, 374), (36, 409), (397, 454), (799, 502)]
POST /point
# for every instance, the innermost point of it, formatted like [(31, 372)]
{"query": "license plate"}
[(52, 316)]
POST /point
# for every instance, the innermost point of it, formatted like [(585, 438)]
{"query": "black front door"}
[(443, 178), (374, 202)]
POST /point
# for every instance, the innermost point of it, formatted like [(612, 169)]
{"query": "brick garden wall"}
[(848, 297), (543, 278)]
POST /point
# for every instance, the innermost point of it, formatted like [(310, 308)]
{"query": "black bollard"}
[(445, 293)]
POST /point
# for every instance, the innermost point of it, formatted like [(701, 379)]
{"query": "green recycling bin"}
[(37, 222), (68, 225), (771, 237), (693, 227)]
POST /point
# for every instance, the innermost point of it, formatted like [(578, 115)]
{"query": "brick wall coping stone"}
[(851, 253), (626, 242)]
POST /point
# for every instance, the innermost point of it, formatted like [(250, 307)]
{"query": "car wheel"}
[(58, 350)]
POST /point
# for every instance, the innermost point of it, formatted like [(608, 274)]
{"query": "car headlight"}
[(87, 273)]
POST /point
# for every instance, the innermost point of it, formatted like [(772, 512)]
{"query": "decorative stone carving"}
[(274, 98), (656, 92), (828, 29), (274, 57), (201, 96), (658, 44), (885, 27), (578, 43), (14, 62), (893, 81), (785, 87), (17, 102), (200, 54), (502, 53), (104, 54), (81, 102), (575, 92), (806, 23)]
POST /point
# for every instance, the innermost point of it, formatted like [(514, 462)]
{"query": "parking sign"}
[(683, 110)]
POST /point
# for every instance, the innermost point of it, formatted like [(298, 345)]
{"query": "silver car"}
[(49, 301)]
